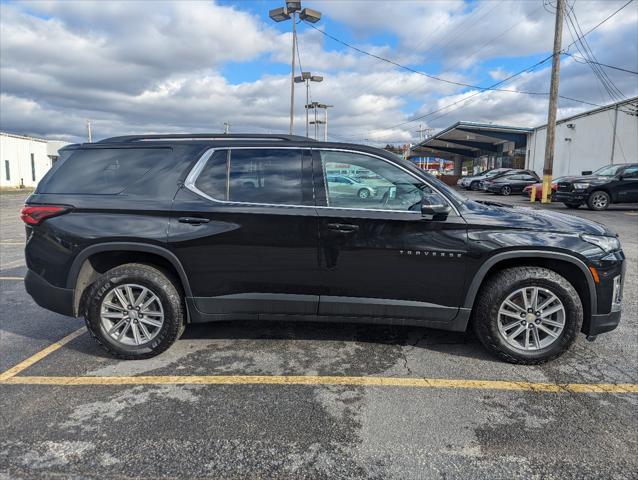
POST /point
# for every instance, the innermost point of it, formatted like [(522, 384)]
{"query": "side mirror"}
[(438, 211)]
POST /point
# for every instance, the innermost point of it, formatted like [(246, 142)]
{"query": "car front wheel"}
[(363, 193), (135, 311), (506, 190), (598, 200), (527, 315)]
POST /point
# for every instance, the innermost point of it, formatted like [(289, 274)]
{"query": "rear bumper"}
[(602, 323), (56, 299)]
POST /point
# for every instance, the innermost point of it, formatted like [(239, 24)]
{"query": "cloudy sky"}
[(190, 66)]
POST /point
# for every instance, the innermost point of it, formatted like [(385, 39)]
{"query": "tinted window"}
[(266, 176), (212, 179), (379, 186), (630, 172), (102, 171), (608, 171)]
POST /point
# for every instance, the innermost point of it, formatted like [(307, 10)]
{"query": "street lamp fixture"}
[(286, 13), (279, 14), (307, 77), (310, 15)]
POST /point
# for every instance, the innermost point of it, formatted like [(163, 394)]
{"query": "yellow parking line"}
[(13, 371), (329, 380), (9, 377), (11, 278)]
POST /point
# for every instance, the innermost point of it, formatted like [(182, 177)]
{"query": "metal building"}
[(584, 142), (25, 160)]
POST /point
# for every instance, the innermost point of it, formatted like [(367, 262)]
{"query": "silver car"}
[(345, 186)]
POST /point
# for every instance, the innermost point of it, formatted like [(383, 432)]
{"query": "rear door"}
[(245, 228), (380, 256)]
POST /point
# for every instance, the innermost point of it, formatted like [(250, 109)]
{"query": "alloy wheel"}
[(599, 200), (531, 318), (131, 314), (506, 190)]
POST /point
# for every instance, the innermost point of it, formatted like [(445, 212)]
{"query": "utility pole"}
[(553, 104), (226, 127), (88, 131)]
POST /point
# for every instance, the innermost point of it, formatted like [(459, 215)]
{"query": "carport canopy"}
[(471, 140)]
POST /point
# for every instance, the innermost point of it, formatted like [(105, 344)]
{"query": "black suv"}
[(144, 234), (611, 184)]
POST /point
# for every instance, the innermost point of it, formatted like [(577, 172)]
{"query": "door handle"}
[(193, 220), (343, 227)]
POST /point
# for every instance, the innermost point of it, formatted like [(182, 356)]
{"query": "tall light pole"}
[(89, 131), (548, 166), (284, 13), (307, 77), (325, 119)]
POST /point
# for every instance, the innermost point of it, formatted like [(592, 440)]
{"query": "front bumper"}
[(576, 196), (601, 323), (56, 299)]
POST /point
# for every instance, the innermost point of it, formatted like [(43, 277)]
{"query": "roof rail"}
[(203, 136)]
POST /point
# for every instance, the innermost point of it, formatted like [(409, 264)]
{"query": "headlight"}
[(607, 244), (581, 186)]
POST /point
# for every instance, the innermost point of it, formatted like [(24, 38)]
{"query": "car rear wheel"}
[(598, 200), (135, 311), (572, 205), (363, 193), (506, 190), (527, 315)]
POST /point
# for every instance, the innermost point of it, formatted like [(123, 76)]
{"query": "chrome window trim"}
[(191, 178)]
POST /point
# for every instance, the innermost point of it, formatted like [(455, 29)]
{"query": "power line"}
[(572, 22), (598, 25), (433, 77), (516, 74), (580, 59)]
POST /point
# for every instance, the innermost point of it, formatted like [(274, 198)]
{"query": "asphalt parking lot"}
[(299, 400)]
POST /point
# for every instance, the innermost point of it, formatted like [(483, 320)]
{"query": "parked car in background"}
[(607, 185), (473, 182), (343, 185), (483, 183), (527, 191), (508, 184)]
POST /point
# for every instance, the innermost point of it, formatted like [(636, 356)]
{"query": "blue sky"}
[(144, 66)]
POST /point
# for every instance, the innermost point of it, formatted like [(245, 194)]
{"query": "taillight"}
[(35, 214)]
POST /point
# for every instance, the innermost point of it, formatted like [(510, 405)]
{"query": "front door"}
[(244, 227), (380, 256), (627, 186)]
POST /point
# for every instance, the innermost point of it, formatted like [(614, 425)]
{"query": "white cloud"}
[(136, 67)]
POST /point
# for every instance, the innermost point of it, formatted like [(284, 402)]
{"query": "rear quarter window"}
[(102, 171)]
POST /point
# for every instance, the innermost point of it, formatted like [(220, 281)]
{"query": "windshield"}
[(608, 171)]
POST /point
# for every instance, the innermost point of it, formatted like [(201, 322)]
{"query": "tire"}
[(474, 186), (506, 190), (363, 193), (572, 205), (505, 283), (598, 200), (168, 302)]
